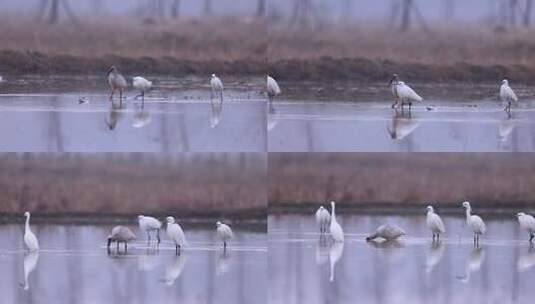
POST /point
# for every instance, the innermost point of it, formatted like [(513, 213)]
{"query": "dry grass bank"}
[(197, 184), (411, 179)]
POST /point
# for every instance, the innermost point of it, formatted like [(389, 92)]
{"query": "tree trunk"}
[(175, 9), (54, 12), (406, 15), (261, 8), (527, 13)]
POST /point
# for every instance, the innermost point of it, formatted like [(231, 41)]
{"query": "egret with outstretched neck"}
[(434, 223), (336, 230), (224, 233), (217, 87), (29, 238), (475, 223), (176, 234)]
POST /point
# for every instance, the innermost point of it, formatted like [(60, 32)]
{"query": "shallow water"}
[(441, 126), (57, 123), (73, 267), (305, 270)]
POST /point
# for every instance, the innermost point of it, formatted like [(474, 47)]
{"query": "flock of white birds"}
[(434, 224), (148, 225)]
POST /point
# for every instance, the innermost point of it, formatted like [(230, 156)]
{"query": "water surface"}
[(74, 267), (304, 269)]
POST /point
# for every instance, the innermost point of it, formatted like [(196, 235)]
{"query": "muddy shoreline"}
[(316, 69)]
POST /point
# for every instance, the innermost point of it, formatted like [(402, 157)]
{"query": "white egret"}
[(143, 85), (477, 256), (117, 83), (434, 255), (224, 233), (148, 224), (323, 218), (335, 253), (273, 88), (474, 222), (434, 223), (29, 238), (30, 262), (403, 94), (527, 222), (387, 232), (173, 271), (176, 234), (507, 94), (336, 230), (217, 87), (120, 234)]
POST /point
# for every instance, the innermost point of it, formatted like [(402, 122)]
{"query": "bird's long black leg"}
[(148, 237), (531, 237), (221, 96), (438, 237), (158, 236), (120, 97), (117, 246), (125, 247), (142, 99), (224, 246)]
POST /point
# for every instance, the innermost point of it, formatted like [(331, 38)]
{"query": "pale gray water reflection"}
[(440, 126), (305, 268), (58, 123), (74, 267)]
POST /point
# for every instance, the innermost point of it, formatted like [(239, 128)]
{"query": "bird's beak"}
[(109, 71)]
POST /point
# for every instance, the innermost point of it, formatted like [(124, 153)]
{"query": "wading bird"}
[(143, 85), (434, 223), (323, 218), (273, 90), (217, 87), (507, 94), (474, 222), (117, 83), (527, 222), (120, 234), (176, 234), (336, 230), (29, 238), (224, 233), (148, 224), (403, 94), (387, 232)]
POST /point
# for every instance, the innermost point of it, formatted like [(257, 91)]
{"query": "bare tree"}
[(527, 13), (406, 15), (260, 8), (175, 9), (51, 8)]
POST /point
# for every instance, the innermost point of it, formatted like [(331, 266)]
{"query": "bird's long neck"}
[(27, 225), (334, 214), (468, 211)]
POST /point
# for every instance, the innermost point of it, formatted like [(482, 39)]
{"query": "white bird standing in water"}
[(434, 223), (387, 232), (143, 85), (507, 94), (148, 224), (474, 222), (273, 88), (29, 238), (527, 222), (120, 234), (224, 233), (336, 230), (176, 234), (217, 87), (323, 218), (117, 83), (403, 93)]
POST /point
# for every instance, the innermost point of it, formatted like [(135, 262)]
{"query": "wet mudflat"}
[(442, 126), (305, 269), (74, 267)]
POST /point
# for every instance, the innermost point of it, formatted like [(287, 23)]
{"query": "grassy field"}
[(188, 184), (401, 179)]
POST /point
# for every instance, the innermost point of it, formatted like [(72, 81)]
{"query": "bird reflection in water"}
[(114, 115), (506, 128), (526, 260), (173, 270), (215, 113), (474, 263), (141, 118), (434, 255), (222, 263), (30, 262), (335, 253), (402, 125)]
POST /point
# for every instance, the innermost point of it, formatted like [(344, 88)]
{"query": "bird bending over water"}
[(29, 238), (474, 222), (148, 224), (176, 234), (120, 234), (507, 94), (335, 229), (323, 219), (217, 87), (273, 90), (143, 85), (224, 233), (402, 93), (387, 232), (117, 83), (527, 222), (434, 223)]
